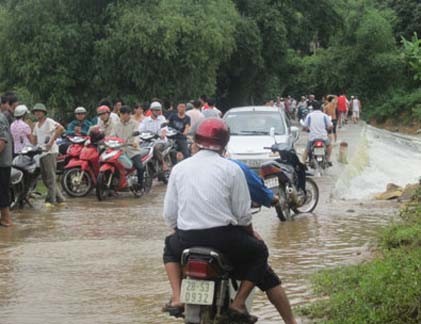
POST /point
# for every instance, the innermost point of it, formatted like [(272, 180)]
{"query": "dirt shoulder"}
[(413, 128)]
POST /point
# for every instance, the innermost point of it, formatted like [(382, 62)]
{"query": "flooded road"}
[(90, 262)]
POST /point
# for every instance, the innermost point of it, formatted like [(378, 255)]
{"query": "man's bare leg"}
[(279, 299), (239, 303), (329, 151), (173, 270), (5, 219)]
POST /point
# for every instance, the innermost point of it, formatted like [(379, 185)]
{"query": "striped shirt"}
[(206, 191)]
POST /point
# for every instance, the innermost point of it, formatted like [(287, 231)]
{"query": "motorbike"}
[(287, 176), (116, 172), (62, 158), (81, 171), (24, 176), (318, 156), (207, 287), (153, 167)]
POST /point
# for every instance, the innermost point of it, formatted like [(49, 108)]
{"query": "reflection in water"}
[(68, 265)]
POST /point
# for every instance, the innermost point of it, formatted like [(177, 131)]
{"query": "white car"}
[(253, 128)]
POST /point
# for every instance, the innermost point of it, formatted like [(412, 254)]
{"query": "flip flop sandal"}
[(176, 311), (244, 317)]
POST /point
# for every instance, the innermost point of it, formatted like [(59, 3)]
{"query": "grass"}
[(384, 290)]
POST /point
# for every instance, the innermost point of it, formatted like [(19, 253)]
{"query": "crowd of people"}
[(320, 118), (17, 130), (221, 220)]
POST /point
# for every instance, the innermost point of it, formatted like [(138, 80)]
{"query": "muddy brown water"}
[(90, 262)]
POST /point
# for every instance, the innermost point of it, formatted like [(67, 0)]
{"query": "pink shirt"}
[(20, 131)]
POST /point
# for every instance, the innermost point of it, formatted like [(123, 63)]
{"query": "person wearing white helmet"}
[(153, 124), (80, 125), (21, 132)]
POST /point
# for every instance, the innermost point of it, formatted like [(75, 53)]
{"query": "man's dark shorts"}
[(5, 187), (333, 130), (247, 254)]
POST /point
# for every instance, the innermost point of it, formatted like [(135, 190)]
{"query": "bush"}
[(399, 104), (385, 290)]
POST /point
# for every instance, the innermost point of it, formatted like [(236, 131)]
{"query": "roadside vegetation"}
[(386, 289), (74, 52)]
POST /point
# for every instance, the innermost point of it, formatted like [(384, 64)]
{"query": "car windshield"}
[(255, 123)]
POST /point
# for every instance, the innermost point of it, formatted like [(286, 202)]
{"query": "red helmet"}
[(102, 110), (212, 134)]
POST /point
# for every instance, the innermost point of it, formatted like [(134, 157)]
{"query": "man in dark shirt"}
[(9, 102), (6, 148), (181, 122)]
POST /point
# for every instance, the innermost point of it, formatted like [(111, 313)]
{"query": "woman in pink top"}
[(20, 130)]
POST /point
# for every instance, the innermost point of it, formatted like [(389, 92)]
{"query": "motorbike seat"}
[(15, 176), (207, 252)]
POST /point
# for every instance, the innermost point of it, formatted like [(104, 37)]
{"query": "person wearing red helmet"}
[(105, 123), (212, 209)]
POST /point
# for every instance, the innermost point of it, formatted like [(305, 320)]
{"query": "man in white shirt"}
[(125, 129), (153, 124), (356, 109), (45, 133), (318, 124), (212, 209)]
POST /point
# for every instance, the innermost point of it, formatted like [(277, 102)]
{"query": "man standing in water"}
[(5, 169), (44, 134)]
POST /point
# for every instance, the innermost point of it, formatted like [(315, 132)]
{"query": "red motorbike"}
[(116, 172), (80, 173)]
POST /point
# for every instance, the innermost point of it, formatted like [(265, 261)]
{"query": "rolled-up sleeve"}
[(241, 201), (171, 202)]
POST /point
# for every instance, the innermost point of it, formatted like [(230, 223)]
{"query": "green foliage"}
[(412, 54), (385, 290), (399, 103), (169, 48), (408, 16), (74, 52)]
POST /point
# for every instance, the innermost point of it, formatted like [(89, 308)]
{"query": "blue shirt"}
[(259, 193), (84, 125)]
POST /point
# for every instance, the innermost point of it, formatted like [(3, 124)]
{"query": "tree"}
[(167, 48)]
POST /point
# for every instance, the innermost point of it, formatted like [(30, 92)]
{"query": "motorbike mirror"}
[(295, 133), (164, 124), (134, 134), (47, 139)]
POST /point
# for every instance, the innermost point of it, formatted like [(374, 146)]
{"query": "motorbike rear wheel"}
[(14, 198), (282, 207), (166, 174), (75, 184), (311, 199), (101, 185), (147, 179)]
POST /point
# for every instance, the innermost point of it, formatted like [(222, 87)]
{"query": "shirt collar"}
[(206, 153)]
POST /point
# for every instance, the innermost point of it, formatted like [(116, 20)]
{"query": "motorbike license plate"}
[(319, 151), (272, 182), (197, 292)]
